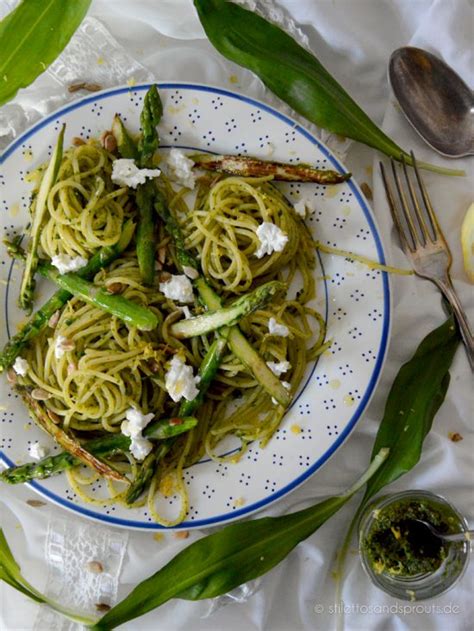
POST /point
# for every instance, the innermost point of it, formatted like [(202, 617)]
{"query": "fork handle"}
[(446, 286)]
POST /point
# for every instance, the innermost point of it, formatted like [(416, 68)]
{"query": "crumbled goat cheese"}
[(186, 312), (191, 272), (65, 263), (126, 173), (180, 381), (20, 366), (272, 239), (179, 288), (304, 206), (278, 368), (61, 345), (136, 422), (38, 451), (180, 168), (280, 330)]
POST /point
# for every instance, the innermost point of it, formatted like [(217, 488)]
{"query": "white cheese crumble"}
[(38, 451), (272, 239), (304, 206), (275, 328), (180, 381), (278, 368), (20, 366), (65, 263), (179, 288), (126, 173), (136, 421), (186, 312), (61, 345), (180, 168)]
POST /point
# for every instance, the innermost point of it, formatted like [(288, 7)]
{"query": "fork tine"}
[(425, 233), (405, 207), (437, 232), (393, 210)]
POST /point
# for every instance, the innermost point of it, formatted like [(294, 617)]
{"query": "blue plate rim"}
[(386, 327)]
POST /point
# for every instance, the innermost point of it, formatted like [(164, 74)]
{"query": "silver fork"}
[(423, 242)]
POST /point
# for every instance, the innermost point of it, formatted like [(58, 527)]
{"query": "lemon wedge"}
[(467, 242)]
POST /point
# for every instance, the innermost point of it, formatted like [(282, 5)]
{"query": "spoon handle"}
[(467, 535)]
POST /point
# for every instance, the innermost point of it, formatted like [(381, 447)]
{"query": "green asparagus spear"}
[(244, 351), (246, 166), (143, 154), (126, 146), (27, 286), (40, 319), (129, 312), (146, 472), (146, 232), (185, 259), (227, 316), (150, 117), (105, 446), (207, 372)]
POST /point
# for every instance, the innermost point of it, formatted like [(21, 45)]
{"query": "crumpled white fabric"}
[(353, 39)]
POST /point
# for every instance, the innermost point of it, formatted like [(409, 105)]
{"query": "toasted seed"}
[(95, 567), (74, 87), (162, 254), (102, 607), (165, 277), (191, 272), (108, 141), (181, 534), (40, 395), (77, 141), (365, 188), (54, 417), (115, 288), (35, 503), (11, 377), (153, 365), (92, 87), (54, 319), (455, 437)]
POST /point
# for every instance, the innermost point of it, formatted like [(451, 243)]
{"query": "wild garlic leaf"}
[(32, 36)]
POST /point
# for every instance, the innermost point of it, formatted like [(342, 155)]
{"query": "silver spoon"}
[(435, 100), (467, 535)]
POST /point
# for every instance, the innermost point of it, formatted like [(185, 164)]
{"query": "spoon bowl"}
[(435, 100)]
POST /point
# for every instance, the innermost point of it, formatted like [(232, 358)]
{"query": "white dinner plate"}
[(354, 299)]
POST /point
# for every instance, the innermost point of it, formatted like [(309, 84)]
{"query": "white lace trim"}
[(84, 564)]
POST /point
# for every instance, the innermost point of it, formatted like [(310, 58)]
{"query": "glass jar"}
[(425, 584)]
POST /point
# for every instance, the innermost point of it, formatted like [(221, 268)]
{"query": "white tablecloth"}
[(353, 39)]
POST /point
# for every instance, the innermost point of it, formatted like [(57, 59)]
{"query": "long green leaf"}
[(293, 74), (32, 36), (414, 398), (236, 554)]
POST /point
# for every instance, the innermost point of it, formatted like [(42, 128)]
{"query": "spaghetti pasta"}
[(91, 367)]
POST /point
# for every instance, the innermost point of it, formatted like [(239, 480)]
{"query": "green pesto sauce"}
[(398, 546)]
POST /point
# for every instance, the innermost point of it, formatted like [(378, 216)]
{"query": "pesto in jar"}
[(398, 546)]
